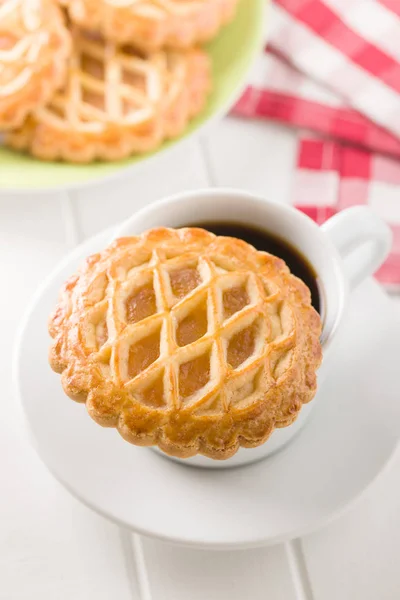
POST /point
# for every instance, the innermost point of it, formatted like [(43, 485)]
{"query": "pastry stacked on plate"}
[(82, 80)]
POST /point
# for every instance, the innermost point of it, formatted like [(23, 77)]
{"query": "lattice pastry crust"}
[(197, 343), (153, 24), (116, 102), (34, 46)]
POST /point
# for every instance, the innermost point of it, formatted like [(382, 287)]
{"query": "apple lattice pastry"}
[(186, 340), (116, 102), (34, 47), (153, 24)]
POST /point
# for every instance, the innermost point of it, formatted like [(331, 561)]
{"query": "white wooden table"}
[(51, 547)]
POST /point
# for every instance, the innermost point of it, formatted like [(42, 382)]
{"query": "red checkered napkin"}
[(333, 67), (331, 176)]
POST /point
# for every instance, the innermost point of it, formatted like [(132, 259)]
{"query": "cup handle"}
[(362, 239)]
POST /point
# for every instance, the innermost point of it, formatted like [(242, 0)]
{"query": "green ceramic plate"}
[(232, 54)]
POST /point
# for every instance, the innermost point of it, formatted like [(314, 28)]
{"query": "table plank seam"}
[(137, 555), (299, 570), (72, 230), (136, 571), (207, 161)]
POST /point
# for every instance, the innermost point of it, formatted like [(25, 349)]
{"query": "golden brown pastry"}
[(34, 46), (153, 24), (196, 343), (116, 102)]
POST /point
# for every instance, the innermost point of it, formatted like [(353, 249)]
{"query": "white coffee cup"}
[(343, 251)]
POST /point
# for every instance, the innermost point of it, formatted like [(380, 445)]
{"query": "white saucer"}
[(351, 436)]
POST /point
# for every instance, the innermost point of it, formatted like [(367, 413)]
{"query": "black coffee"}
[(262, 240)]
